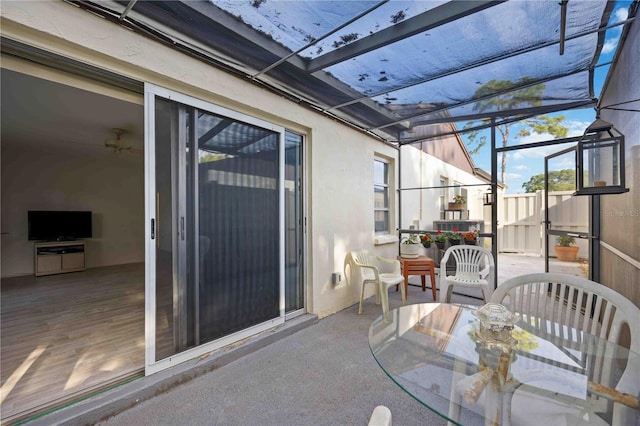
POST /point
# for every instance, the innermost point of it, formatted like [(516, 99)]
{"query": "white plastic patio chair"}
[(558, 303), (369, 268), (474, 268)]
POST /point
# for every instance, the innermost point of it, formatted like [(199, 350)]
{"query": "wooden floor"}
[(65, 335)]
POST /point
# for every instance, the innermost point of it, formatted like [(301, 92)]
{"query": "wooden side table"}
[(422, 265)]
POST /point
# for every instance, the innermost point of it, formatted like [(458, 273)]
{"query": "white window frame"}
[(459, 190), (385, 185), (444, 192)]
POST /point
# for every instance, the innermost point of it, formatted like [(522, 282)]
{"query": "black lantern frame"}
[(600, 160), (488, 198)]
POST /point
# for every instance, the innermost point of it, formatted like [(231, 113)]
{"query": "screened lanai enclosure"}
[(269, 125), (401, 71), (393, 67)]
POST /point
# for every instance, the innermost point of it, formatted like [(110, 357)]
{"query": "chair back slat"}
[(570, 314), (555, 288), (594, 323), (606, 319), (540, 302), (362, 258), (589, 303)]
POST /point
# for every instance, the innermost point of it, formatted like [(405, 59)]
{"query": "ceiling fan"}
[(118, 145)]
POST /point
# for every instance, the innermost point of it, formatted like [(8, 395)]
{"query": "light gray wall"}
[(620, 261), (111, 186)]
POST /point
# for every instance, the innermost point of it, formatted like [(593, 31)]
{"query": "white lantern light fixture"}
[(600, 160)]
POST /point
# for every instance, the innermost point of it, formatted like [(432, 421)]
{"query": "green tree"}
[(210, 156), (559, 180), (527, 97)]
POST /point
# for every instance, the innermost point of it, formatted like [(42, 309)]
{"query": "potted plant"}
[(426, 240), (565, 248), (470, 238), (459, 203), (410, 246), (440, 239), (454, 237)]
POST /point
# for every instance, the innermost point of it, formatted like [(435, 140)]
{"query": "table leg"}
[(424, 285), (406, 281), (433, 283)]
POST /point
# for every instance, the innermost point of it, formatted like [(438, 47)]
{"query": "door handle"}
[(182, 228)]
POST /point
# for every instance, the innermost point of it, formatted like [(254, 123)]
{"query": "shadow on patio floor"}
[(323, 374)]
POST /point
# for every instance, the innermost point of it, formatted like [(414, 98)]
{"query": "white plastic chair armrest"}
[(375, 270)]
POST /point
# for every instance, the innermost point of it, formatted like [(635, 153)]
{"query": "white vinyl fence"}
[(520, 217)]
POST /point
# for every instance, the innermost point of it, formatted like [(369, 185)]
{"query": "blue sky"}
[(523, 164)]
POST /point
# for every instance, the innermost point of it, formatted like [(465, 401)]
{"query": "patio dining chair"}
[(474, 267), (557, 304), (371, 272)]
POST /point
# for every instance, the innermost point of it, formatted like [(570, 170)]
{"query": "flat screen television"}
[(59, 225)]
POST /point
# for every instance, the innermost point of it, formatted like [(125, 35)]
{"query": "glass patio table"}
[(557, 375)]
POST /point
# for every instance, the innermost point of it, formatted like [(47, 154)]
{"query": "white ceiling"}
[(49, 115)]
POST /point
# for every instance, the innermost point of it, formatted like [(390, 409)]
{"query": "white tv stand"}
[(58, 257)]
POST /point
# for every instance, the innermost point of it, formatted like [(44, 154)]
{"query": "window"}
[(381, 196), (459, 190), (444, 191)]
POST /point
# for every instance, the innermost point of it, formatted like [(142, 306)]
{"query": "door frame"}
[(302, 237), (592, 238)]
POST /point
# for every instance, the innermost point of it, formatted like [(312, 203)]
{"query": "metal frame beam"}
[(489, 96), (435, 17), (531, 111), (320, 88), (482, 62)]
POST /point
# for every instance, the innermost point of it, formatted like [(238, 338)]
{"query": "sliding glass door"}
[(216, 210)]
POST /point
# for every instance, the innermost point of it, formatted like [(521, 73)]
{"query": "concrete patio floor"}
[(511, 265), (320, 373)]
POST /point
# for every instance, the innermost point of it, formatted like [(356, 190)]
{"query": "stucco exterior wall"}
[(339, 158), (620, 213), (422, 170)]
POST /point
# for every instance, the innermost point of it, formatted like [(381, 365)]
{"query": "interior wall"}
[(620, 213), (42, 179)]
